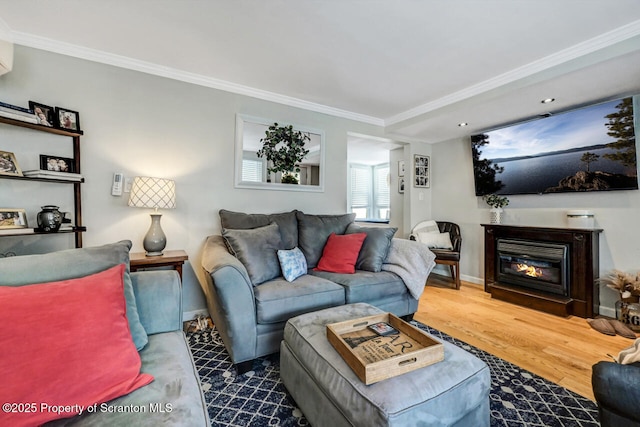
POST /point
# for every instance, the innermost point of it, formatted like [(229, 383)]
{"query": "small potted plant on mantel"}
[(284, 148), (497, 203)]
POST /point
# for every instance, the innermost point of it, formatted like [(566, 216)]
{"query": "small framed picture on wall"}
[(421, 167), (67, 119), (13, 218), (9, 164), (44, 113), (401, 185)]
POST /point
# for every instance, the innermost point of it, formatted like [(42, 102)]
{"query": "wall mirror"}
[(251, 171)]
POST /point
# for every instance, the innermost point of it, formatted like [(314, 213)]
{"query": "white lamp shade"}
[(158, 193)]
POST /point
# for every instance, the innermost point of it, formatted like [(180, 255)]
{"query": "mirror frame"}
[(241, 119)]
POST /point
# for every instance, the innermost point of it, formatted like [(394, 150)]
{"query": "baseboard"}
[(190, 315), (472, 279), (607, 311)]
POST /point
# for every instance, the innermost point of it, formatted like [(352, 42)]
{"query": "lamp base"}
[(155, 240)]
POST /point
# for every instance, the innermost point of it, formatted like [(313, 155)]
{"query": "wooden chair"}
[(450, 257)]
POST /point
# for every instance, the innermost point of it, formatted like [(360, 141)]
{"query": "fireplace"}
[(533, 265), (548, 269)]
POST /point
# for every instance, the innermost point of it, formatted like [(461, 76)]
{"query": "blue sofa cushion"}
[(74, 263), (278, 300), (286, 221), (366, 286), (375, 247), (314, 230), (257, 249), (173, 399)]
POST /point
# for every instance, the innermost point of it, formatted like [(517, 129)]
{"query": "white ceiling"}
[(416, 67)]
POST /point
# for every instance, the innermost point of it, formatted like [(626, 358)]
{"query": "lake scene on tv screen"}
[(590, 149)]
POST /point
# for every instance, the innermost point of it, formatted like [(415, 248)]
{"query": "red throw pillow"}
[(65, 345), (341, 253)]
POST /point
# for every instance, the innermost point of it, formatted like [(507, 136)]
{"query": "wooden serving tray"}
[(373, 357)]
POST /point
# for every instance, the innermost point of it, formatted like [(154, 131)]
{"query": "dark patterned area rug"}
[(518, 398)]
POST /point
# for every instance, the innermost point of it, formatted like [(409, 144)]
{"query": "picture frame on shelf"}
[(400, 167), (44, 113), (57, 163), (421, 166), (401, 186), (13, 218), (67, 119), (9, 165)]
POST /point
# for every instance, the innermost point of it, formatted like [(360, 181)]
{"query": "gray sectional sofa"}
[(249, 300), (154, 316)]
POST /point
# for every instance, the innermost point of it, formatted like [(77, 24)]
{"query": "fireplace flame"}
[(529, 270)]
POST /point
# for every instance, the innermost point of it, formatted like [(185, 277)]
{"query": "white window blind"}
[(360, 190), (369, 191), (252, 170), (381, 190)]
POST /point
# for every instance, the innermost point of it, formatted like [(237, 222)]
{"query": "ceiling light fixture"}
[(548, 100), (463, 124)]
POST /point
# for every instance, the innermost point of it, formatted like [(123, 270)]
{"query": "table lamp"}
[(154, 193)]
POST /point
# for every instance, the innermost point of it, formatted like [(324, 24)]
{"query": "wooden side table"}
[(175, 259)]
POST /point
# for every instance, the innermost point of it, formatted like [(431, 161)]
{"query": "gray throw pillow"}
[(72, 264), (314, 230), (257, 250), (375, 248), (286, 221)]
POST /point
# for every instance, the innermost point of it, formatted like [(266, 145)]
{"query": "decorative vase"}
[(155, 240), (495, 215), (628, 312), (49, 219)]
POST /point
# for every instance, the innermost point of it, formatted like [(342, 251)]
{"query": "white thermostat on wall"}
[(116, 187)]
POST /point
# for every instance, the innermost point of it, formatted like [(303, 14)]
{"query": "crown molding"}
[(94, 55), (592, 45)]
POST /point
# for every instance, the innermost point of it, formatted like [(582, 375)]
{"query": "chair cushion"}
[(314, 230), (257, 249), (341, 253), (375, 247), (85, 354), (436, 240), (286, 221), (74, 263), (445, 255), (278, 300)]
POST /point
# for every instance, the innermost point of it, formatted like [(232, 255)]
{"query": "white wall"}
[(141, 124), (453, 199)]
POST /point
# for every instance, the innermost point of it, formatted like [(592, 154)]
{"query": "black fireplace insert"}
[(533, 265)]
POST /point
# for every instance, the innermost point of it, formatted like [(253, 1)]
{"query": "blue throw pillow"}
[(292, 263)]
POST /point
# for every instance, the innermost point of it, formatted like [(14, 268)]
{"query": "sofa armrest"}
[(230, 299), (159, 300), (616, 389)]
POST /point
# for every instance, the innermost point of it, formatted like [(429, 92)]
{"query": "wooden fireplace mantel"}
[(583, 299)]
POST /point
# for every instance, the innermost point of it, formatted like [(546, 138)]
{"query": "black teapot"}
[(49, 219)]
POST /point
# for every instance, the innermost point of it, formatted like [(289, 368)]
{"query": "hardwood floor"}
[(560, 349)]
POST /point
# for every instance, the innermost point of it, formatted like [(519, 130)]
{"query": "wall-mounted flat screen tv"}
[(588, 149)]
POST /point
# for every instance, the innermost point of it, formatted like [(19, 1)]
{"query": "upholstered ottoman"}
[(454, 392)]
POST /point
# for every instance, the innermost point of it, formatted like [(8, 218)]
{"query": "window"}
[(369, 191), (252, 170)]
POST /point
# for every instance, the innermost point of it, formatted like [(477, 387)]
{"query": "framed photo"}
[(13, 218), (9, 164), (67, 119), (421, 166), (44, 113), (401, 185), (401, 168), (57, 164)]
